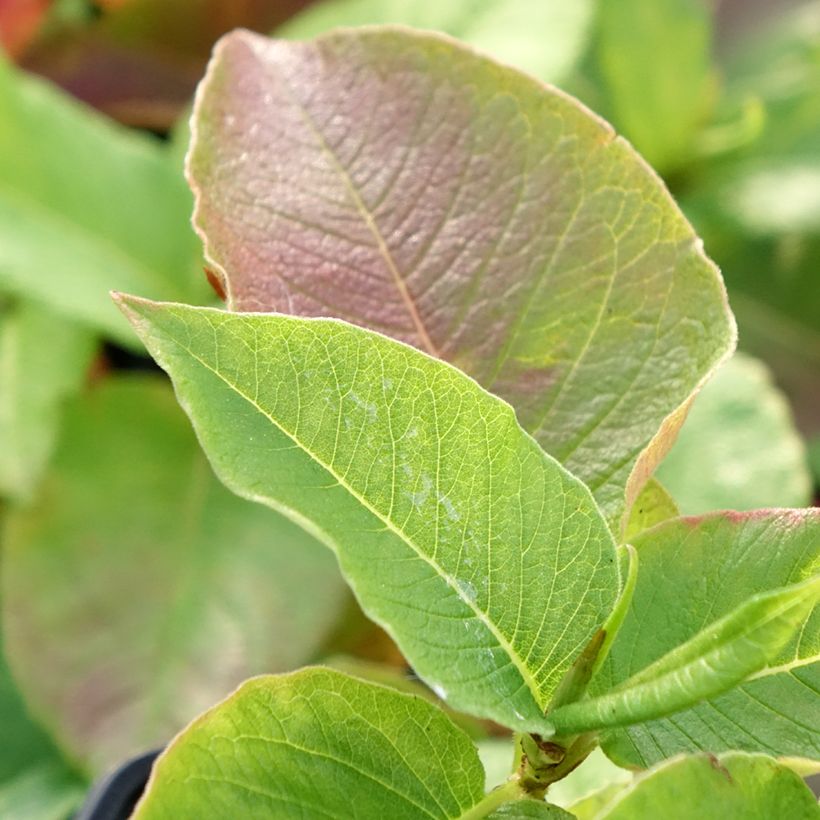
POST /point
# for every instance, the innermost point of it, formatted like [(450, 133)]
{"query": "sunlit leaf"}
[(472, 212), (316, 743), (487, 562), (138, 591)]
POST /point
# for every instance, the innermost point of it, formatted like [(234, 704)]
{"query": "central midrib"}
[(364, 212), (482, 616)]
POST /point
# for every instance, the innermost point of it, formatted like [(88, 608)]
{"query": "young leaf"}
[(43, 360), (86, 206), (137, 590), (542, 37), (485, 559), (738, 448), (711, 566), (654, 58), (316, 743), (472, 212), (735, 785), (742, 643)]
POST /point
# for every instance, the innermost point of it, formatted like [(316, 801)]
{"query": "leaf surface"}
[(744, 642), (488, 563), (316, 743), (43, 360), (473, 212), (710, 566), (542, 37), (138, 591), (86, 207), (734, 785), (738, 448)]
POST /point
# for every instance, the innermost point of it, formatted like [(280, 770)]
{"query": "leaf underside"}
[(490, 564)]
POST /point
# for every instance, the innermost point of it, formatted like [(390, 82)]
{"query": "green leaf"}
[(524, 809), (137, 590), (36, 783), (654, 61), (588, 808), (653, 505), (744, 642), (735, 785), (474, 213), (47, 792), (712, 565), (316, 743), (738, 448), (487, 562), (543, 37), (86, 206), (43, 360)]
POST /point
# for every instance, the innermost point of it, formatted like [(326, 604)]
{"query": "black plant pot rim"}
[(114, 796)]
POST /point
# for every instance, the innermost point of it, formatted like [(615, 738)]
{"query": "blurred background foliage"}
[(132, 599)]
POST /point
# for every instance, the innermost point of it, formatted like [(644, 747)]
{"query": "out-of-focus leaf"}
[(734, 785), (496, 754), (316, 743), (46, 792), (86, 207), (485, 559), (43, 359), (19, 21), (738, 448), (140, 60), (711, 566), (774, 293), (473, 212), (138, 591), (652, 506), (757, 207), (654, 62), (25, 745), (779, 63), (36, 783), (777, 198), (596, 772), (542, 37)]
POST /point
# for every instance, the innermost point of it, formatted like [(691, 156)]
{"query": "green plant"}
[(496, 224), (137, 591)]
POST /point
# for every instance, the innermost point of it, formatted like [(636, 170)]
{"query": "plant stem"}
[(506, 793)]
